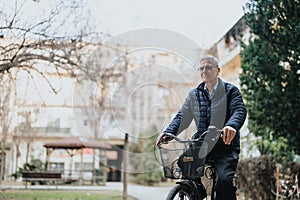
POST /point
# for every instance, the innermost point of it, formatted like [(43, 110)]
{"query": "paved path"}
[(148, 193), (137, 191)]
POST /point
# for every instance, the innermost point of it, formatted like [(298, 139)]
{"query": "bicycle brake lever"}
[(217, 137)]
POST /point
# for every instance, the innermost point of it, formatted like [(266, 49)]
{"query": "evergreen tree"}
[(270, 80), (143, 160)]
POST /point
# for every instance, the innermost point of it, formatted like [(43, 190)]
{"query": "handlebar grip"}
[(165, 139)]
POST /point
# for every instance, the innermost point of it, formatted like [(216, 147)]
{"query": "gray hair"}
[(212, 59)]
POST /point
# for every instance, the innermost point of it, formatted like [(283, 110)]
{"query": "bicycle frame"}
[(209, 173)]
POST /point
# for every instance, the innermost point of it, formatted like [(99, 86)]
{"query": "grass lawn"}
[(61, 195)]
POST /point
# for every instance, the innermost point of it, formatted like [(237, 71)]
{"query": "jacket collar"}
[(201, 86)]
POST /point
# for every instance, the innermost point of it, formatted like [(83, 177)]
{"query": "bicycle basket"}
[(178, 161), (169, 154)]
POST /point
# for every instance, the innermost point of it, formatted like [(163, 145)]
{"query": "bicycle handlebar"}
[(211, 129)]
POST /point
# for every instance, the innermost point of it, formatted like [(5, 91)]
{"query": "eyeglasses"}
[(207, 68)]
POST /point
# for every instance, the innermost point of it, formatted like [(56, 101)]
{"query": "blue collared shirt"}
[(213, 91)]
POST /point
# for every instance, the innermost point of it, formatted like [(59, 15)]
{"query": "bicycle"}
[(188, 163)]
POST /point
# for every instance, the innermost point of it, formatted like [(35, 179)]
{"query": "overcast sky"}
[(204, 21)]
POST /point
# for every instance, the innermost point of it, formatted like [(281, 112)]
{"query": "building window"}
[(56, 166), (54, 123), (85, 122), (86, 166)]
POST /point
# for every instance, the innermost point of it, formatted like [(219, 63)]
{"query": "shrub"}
[(256, 177), (35, 165)]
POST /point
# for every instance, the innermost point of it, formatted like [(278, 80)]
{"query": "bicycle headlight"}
[(177, 173)]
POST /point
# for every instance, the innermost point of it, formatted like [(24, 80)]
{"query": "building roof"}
[(77, 143)]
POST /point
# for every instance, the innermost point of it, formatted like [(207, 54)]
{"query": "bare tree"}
[(44, 47), (102, 69), (52, 40), (52, 44), (25, 130), (6, 96)]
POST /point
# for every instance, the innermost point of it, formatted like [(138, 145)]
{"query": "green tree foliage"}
[(270, 78), (143, 159), (35, 165)]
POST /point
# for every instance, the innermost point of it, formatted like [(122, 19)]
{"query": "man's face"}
[(208, 71)]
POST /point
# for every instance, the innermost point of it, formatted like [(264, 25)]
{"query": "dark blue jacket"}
[(198, 105)]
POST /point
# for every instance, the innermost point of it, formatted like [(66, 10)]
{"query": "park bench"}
[(41, 177)]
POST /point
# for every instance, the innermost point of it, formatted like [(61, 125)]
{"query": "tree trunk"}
[(27, 152), (2, 163)]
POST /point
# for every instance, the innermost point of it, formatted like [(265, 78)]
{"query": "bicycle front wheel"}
[(180, 192)]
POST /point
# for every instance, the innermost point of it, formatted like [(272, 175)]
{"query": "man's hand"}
[(163, 138), (228, 134)]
